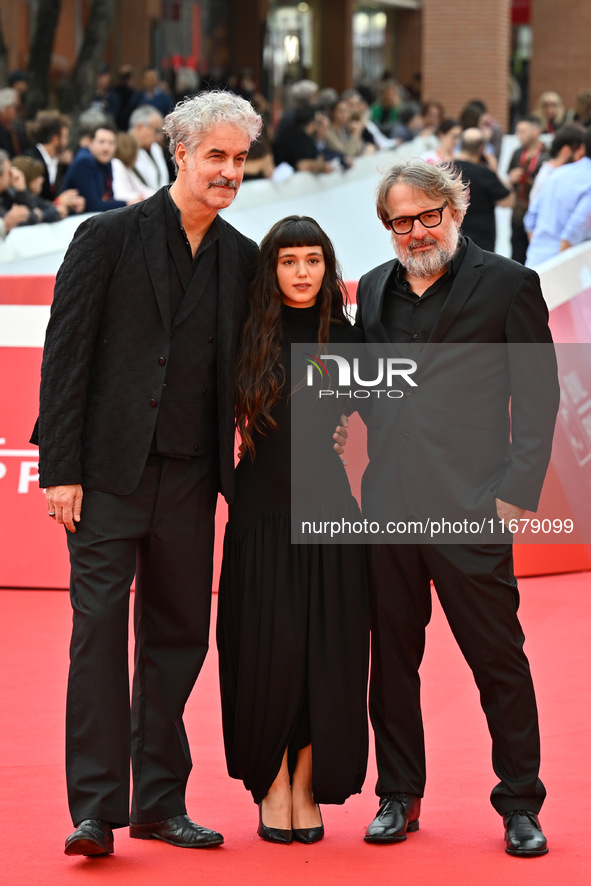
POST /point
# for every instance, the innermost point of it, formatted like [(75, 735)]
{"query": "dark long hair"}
[(259, 374)]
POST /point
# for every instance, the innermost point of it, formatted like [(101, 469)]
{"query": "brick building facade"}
[(561, 59), (465, 53)]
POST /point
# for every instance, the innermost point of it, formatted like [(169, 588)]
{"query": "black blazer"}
[(455, 442), (47, 192), (107, 345)]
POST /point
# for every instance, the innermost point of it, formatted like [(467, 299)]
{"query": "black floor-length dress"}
[(293, 623)]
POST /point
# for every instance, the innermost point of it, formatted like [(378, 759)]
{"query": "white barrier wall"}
[(342, 202)]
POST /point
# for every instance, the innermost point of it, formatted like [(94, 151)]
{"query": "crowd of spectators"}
[(560, 215), (120, 158)]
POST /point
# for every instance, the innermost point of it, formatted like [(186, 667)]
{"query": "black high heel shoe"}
[(273, 835), (310, 835)]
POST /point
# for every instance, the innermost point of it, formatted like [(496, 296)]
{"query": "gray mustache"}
[(224, 183), (427, 241)]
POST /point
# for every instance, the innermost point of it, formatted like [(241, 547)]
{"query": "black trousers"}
[(162, 532), (478, 593)]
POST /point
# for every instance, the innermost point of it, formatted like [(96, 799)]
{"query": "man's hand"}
[(64, 504), (514, 175), (71, 200), (66, 156), (15, 216), (340, 436), (17, 179), (507, 512), (356, 126), (490, 160)]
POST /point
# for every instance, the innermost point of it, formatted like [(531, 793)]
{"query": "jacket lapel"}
[(468, 275), (372, 320), (152, 231)]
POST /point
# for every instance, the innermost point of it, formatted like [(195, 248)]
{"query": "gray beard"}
[(431, 264)]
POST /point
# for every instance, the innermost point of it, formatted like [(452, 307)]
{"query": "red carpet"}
[(460, 840)]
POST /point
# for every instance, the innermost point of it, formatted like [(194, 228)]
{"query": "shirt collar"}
[(212, 234), (52, 163)]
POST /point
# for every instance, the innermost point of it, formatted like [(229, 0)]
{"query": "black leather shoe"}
[(310, 835), (91, 837), (178, 831), (273, 835), (398, 815), (523, 834)]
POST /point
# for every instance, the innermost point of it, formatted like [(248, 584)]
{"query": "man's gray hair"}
[(194, 117), (143, 116), (303, 90), (8, 97), (89, 120), (439, 181), (326, 98), (4, 156)]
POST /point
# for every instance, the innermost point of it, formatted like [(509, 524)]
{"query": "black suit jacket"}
[(479, 425), (108, 341), (47, 192)]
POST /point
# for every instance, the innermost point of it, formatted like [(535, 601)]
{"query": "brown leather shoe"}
[(398, 815), (178, 831), (91, 837)]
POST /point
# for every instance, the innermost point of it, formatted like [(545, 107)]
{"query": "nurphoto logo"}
[(386, 372)]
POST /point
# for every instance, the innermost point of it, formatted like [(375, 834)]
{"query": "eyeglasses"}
[(431, 218)]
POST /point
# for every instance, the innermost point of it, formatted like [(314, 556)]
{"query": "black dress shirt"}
[(187, 417)]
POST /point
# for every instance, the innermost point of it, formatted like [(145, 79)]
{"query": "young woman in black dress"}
[(293, 620)]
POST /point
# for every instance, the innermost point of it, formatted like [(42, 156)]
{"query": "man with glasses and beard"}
[(454, 451)]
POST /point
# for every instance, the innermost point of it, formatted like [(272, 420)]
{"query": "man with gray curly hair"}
[(450, 449), (192, 120), (136, 438)]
